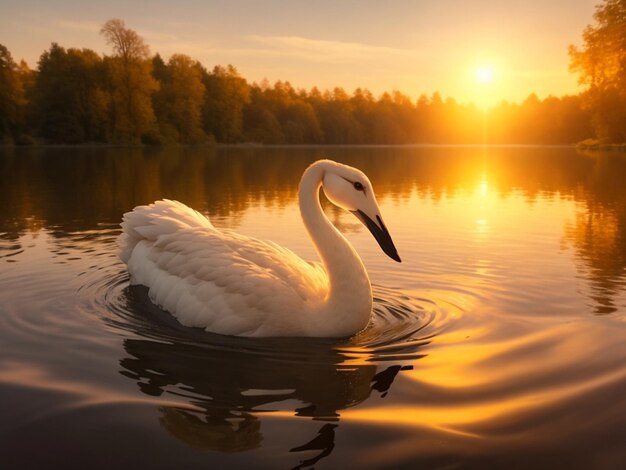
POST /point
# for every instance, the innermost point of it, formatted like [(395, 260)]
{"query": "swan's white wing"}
[(151, 221), (220, 280)]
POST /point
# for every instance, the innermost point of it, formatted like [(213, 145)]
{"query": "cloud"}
[(319, 50), (82, 26), (280, 47)]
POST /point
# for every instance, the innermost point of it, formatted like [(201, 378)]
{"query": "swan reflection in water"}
[(228, 381)]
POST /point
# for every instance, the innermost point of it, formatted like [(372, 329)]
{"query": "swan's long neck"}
[(349, 300)]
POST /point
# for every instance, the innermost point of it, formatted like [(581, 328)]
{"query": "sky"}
[(414, 46)]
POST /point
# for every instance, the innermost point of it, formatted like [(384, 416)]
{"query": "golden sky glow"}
[(414, 47)]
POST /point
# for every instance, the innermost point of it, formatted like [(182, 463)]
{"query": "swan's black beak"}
[(381, 234)]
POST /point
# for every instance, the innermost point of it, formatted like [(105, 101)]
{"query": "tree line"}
[(77, 96), (601, 67)]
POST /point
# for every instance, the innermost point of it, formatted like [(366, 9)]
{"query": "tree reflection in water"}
[(598, 233)]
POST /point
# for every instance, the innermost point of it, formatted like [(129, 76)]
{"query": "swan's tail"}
[(151, 221)]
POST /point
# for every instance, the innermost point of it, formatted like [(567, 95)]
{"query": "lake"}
[(499, 341)]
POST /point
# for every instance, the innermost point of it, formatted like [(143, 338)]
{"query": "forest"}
[(78, 96)]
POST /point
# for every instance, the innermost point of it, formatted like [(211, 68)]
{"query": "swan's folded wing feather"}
[(151, 221), (218, 280), (226, 282)]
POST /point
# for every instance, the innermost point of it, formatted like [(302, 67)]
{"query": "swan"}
[(231, 284)]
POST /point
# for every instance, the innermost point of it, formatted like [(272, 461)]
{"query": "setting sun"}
[(484, 75)]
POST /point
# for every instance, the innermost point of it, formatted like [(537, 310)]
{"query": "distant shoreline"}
[(595, 145), (295, 146), (588, 145)]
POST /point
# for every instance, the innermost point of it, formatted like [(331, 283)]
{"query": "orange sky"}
[(412, 46)]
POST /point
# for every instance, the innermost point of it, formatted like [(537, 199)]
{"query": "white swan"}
[(236, 285)]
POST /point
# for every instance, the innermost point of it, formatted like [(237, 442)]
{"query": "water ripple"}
[(401, 324)]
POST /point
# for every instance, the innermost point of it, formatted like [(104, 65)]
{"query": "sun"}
[(484, 75)]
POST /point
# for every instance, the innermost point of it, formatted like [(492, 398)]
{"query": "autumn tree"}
[(69, 96), (259, 122), (12, 97), (363, 109), (227, 93), (131, 82), (601, 66), (178, 102), (300, 124), (336, 116)]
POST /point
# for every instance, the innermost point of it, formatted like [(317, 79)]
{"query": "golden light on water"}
[(483, 187)]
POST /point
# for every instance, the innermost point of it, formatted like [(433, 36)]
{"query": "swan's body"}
[(231, 284)]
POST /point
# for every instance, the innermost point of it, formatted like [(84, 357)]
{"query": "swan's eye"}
[(358, 186)]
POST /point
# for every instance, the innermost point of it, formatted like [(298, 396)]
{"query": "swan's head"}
[(351, 190)]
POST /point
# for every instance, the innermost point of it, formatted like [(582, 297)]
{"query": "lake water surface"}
[(499, 341)]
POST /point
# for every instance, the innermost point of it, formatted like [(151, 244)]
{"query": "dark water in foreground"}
[(499, 341)]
